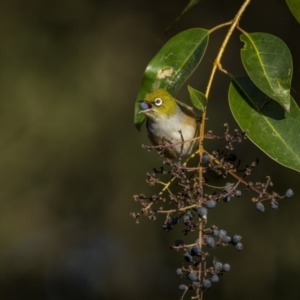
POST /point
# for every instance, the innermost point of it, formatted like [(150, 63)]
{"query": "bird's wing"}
[(186, 109), (190, 112)]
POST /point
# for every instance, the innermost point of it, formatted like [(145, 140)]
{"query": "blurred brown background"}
[(71, 159)]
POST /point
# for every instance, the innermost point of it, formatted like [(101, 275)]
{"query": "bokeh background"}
[(71, 159)]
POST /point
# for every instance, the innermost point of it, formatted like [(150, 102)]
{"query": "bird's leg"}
[(181, 147)]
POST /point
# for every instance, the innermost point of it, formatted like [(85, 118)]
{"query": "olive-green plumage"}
[(166, 116)]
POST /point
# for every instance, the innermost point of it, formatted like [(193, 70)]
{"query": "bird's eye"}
[(158, 102)]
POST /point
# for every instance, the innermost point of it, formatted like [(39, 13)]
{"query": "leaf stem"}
[(220, 26)]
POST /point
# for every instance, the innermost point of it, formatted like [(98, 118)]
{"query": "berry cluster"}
[(187, 197), (212, 275), (211, 237), (195, 254)]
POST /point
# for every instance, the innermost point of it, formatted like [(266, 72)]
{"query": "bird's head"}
[(159, 103)]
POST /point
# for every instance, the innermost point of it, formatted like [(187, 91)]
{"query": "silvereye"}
[(166, 118)]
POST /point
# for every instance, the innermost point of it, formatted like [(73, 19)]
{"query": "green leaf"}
[(172, 65), (198, 99), (294, 6), (268, 63), (190, 5), (267, 125)]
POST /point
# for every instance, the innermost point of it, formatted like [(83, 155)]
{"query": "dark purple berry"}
[(183, 287), (215, 278), (205, 158), (206, 284), (187, 257), (227, 199), (190, 214), (211, 204), (215, 232), (226, 239), (167, 227), (196, 285), (191, 251), (228, 187), (236, 238), (222, 232), (274, 206), (289, 193), (226, 268), (210, 242), (238, 193), (218, 266), (187, 218), (178, 243), (179, 272), (174, 220), (202, 212), (192, 276), (197, 249), (143, 105), (260, 207), (238, 246)]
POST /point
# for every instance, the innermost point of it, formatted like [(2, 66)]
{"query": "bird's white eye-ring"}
[(158, 102)]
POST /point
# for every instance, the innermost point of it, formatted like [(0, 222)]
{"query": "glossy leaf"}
[(268, 63), (268, 126), (198, 99), (172, 65), (294, 6)]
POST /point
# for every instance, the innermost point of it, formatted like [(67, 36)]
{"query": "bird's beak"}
[(145, 107)]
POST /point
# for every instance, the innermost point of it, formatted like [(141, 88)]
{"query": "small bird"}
[(169, 121)]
